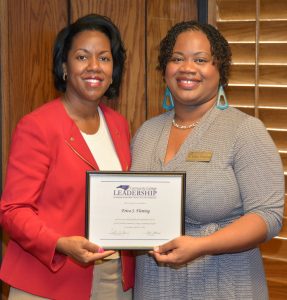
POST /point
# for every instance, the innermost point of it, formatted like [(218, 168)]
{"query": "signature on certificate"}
[(152, 233), (115, 231)]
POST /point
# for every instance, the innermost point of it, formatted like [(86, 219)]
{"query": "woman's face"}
[(191, 75), (89, 66)]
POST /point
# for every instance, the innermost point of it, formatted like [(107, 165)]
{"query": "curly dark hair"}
[(63, 44), (219, 47)]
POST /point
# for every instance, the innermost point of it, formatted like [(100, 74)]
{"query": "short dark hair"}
[(219, 47), (63, 44)]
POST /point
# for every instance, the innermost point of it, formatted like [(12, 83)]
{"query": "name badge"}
[(199, 156)]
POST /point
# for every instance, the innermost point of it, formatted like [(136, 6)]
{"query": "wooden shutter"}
[(257, 33)]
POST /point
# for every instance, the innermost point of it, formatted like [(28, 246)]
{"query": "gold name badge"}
[(199, 156)]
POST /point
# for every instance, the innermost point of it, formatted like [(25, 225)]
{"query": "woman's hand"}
[(243, 234), (81, 249), (178, 251)]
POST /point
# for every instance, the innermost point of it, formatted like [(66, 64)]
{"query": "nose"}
[(188, 66), (94, 64)]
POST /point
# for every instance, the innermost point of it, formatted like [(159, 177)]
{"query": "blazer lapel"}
[(78, 145)]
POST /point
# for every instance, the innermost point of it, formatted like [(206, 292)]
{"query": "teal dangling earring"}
[(221, 101), (167, 99)]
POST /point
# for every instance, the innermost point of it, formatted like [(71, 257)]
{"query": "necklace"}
[(184, 126)]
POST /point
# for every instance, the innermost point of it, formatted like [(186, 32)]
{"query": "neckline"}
[(191, 140)]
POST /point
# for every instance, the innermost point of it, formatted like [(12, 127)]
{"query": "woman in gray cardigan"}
[(235, 183)]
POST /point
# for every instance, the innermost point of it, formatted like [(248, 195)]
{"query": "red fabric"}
[(44, 198)]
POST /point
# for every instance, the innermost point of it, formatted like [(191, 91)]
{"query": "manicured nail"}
[(100, 250), (156, 249)]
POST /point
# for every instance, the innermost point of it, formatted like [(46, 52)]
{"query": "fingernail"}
[(100, 250), (156, 249)]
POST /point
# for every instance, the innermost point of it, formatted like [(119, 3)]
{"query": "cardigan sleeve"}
[(28, 166), (259, 172)]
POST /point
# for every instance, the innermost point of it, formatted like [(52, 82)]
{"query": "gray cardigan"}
[(244, 175)]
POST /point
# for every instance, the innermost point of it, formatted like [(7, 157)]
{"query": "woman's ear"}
[(65, 74), (64, 67)]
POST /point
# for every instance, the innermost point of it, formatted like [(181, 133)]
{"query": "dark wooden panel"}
[(242, 74), (161, 15), (273, 75), (4, 84), (239, 32), (129, 16), (280, 139), (32, 29), (28, 29), (273, 118), (240, 95), (277, 290), (273, 95), (270, 11), (274, 31), (276, 269)]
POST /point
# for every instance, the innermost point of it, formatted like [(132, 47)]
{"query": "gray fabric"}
[(244, 175)]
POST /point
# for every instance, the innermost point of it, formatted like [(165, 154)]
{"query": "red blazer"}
[(44, 199)]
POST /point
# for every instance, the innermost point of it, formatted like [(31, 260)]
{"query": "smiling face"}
[(190, 74), (89, 66)]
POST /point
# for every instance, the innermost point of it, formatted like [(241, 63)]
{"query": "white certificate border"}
[(132, 176)]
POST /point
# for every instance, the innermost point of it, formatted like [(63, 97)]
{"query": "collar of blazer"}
[(77, 144)]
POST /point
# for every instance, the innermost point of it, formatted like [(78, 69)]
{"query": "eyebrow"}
[(87, 51), (196, 53)]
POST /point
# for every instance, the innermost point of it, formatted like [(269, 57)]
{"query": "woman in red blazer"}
[(43, 202)]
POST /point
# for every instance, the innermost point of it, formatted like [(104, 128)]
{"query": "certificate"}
[(134, 210)]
